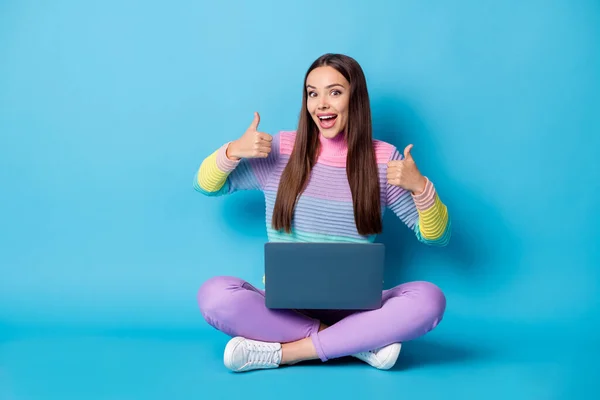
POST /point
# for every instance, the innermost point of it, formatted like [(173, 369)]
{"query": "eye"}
[(336, 92), (312, 94)]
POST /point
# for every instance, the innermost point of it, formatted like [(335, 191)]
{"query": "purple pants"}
[(237, 308)]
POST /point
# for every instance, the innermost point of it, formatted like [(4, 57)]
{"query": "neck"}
[(336, 146)]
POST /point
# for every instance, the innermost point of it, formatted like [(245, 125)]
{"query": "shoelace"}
[(261, 353), (369, 353)]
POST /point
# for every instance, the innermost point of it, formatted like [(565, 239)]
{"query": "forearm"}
[(434, 222), (214, 170)]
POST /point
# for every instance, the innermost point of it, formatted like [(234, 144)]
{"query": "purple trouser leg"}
[(236, 308)]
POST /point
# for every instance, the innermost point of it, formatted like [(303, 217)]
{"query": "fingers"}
[(261, 153), (261, 141), (265, 137), (402, 172), (394, 177), (255, 144), (262, 145), (255, 122), (407, 154), (262, 148), (394, 171)]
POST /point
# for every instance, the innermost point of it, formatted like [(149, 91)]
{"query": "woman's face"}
[(328, 97)]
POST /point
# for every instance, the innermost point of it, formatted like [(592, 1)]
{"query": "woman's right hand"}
[(252, 144)]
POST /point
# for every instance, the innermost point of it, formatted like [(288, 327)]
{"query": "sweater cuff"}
[(223, 162), (425, 200)]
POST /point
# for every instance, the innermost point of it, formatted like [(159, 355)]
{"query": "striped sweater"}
[(324, 212)]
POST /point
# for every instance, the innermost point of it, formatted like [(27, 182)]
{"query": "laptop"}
[(335, 276)]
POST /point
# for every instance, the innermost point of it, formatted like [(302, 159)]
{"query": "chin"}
[(331, 132)]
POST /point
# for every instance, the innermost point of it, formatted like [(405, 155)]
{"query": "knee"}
[(213, 293), (435, 300), (431, 299)]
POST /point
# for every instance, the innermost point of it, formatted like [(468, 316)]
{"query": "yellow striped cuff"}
[(210, 177), (434, 220)]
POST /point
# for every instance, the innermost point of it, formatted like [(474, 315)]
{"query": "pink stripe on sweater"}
[(223, 162), (286, 144), (426, 199), (383, 151)]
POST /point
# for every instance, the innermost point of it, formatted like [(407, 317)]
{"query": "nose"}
[(323, 103)]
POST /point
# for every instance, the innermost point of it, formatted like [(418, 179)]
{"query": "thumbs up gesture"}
[(405, 174), (252, 144)]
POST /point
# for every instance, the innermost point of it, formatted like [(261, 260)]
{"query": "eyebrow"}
[(327, 87)]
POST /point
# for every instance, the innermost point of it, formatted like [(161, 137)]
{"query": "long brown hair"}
[(361, 164)]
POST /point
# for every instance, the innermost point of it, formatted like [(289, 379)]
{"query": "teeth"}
[(328, 117)]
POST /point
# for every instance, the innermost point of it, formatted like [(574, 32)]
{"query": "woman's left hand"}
[(405, 174)]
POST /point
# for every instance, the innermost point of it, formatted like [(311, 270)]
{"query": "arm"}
[(219, 175), (424, 212)]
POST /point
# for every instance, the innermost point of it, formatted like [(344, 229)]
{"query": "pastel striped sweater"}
[(324, 211)]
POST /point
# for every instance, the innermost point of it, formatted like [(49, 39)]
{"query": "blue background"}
[(108, 108)]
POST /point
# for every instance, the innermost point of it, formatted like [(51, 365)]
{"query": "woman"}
[(327, 181)]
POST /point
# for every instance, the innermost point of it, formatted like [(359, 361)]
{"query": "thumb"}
[(407, 155), (255, 122)]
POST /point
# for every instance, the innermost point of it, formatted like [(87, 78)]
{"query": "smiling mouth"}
[(327, 120)]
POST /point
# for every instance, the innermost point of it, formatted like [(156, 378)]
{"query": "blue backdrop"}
[(108, 108)]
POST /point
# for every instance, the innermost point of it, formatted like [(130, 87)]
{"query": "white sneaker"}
[(383, 358), (243, 354)]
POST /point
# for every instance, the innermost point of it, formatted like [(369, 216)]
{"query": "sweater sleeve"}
[(424, 213), (218, 175)]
